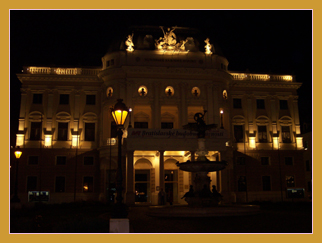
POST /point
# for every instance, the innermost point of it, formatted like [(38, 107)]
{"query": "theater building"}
[(68, 137)]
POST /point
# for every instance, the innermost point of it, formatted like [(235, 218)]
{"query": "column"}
[(161, 169), (130, 196)]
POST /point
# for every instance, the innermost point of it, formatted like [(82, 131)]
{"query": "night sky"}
[(262, 41)]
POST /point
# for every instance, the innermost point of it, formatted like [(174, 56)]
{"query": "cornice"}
[(282, 85), (57, 78)]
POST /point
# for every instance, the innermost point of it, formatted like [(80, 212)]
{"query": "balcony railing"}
[(261, 77), (61, 71)]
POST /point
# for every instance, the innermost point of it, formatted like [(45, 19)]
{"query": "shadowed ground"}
[(94, 218)]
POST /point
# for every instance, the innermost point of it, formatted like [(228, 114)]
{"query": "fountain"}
[(199, 193), (201, 201)]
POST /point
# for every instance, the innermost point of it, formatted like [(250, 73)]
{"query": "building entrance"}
[(171, 185), (142, 186)]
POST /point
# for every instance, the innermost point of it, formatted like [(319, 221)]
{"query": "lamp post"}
[(221, 119), (119, 113), (130, 111), (15, 198)]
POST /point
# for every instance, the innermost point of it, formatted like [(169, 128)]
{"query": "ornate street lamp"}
[(15, 198), (119, 113)]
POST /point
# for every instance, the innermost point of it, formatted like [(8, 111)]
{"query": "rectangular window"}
[(88, 184), (31, 183), (64, 99), (141, 124), (266, 180), (37, 98), (60, 184), (260, 104), (264, 160), (166, 125), (237, 103), (90, 99), (62, 131), (242, 185), (288, 160), (239, 133), (33, 160), (241, 161), (35, 130), (262, 134), (88, 160), (61, 160), (89, 131), (290, 182), (283, 105), (286, 134)]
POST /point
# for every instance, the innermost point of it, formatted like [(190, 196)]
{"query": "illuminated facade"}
[(68, 137)]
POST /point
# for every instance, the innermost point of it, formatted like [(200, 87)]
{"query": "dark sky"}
[(263, 41)]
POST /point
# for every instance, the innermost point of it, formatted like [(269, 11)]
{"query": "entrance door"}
[(171, 185), (142, 186)]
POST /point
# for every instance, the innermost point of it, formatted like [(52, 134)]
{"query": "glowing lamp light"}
[(18, 153), (19, 139), (75, 140), (120, 112), (299, 142), (252, 142), (275, 143), (48, 139)]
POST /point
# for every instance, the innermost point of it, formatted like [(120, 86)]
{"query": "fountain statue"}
[(199, 193)]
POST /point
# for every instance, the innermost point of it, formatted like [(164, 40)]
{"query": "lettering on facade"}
[(173, 133)]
